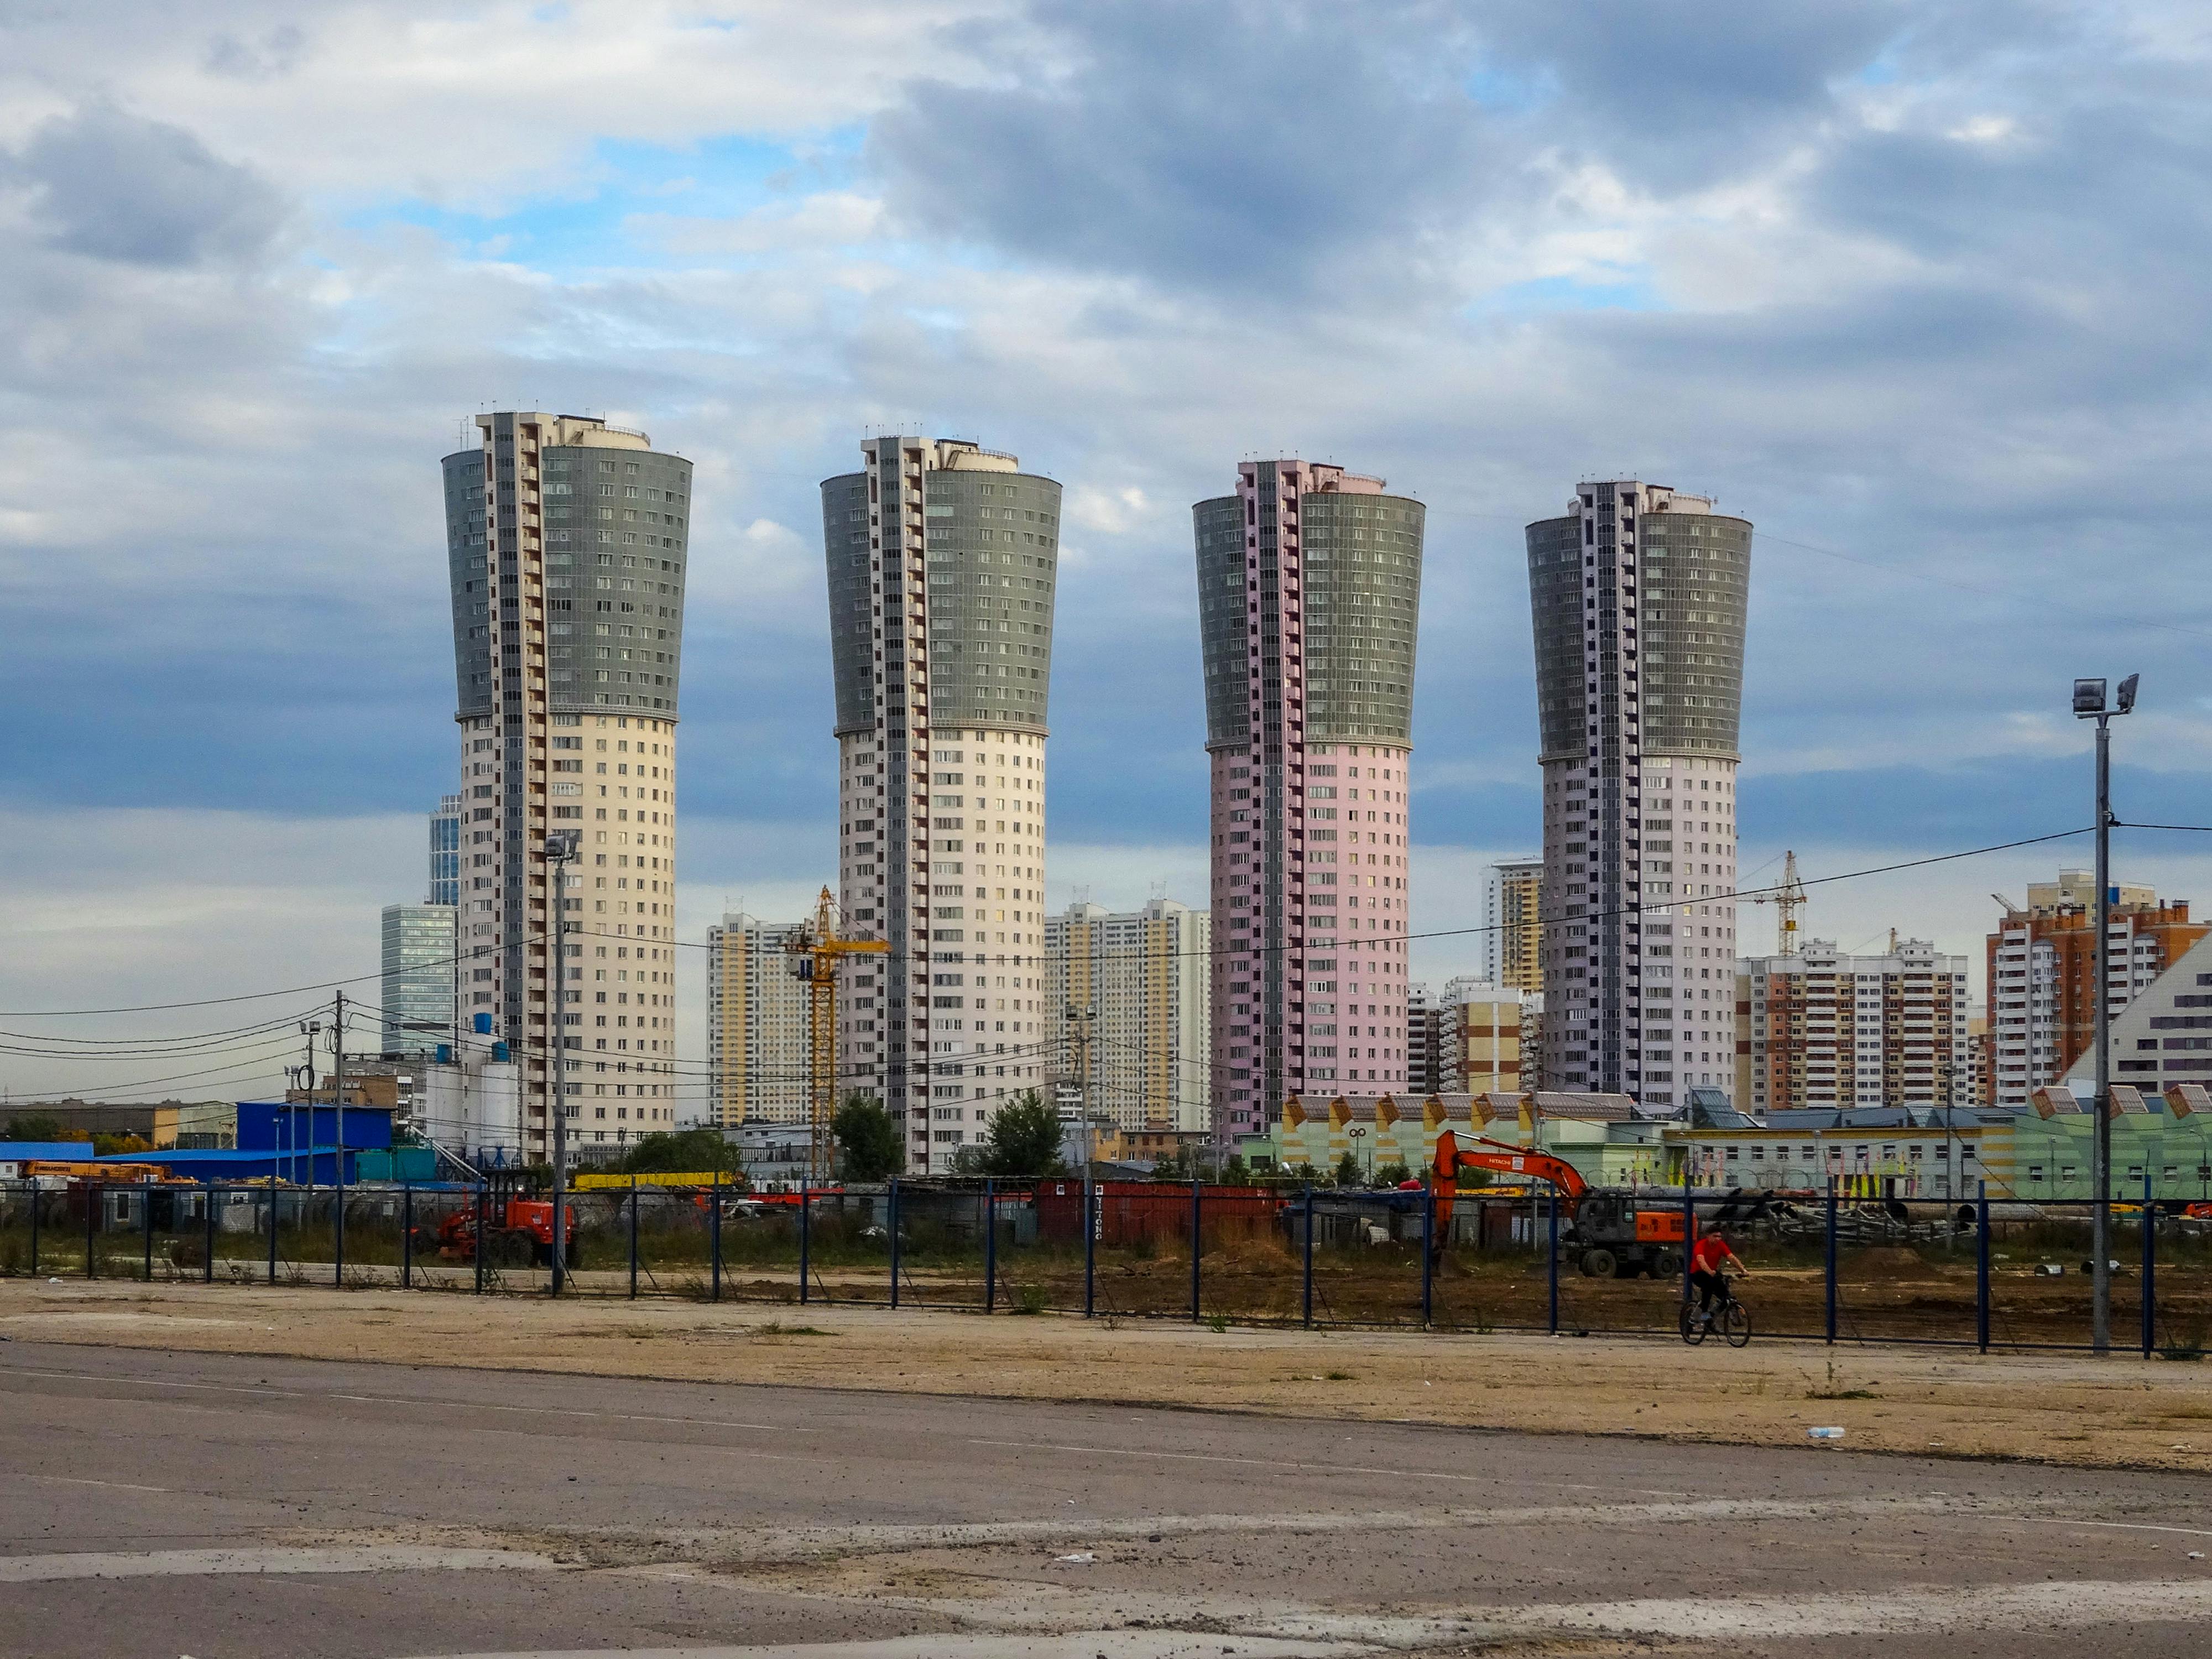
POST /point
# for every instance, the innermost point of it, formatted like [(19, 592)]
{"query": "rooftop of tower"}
[(1657, 498), (1323, 476)]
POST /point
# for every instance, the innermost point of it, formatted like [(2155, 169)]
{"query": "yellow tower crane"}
[(1787, 899), (816, 954)]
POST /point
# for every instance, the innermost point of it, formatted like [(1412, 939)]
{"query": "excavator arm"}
[(1482, 1153)]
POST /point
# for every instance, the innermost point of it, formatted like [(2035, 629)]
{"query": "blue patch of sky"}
[(583, 224), (1604, 288), (1518, 91)]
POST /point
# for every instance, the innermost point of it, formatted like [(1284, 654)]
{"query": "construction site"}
[(1824, 1267)]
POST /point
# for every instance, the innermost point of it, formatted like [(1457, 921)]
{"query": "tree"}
[(867, 1140), (1393, 1175), (41, 1126), (1234, 1172), (679, 1152), (1177, 1165), (108, 1145), (1347, 1172), (1024, 1138)]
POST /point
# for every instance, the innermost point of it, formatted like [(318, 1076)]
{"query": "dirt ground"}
[(2120, 1412)]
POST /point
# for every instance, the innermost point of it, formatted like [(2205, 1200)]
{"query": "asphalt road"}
[(221, 1508)]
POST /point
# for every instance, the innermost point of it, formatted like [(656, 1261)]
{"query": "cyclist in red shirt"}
[(1709, 1260)]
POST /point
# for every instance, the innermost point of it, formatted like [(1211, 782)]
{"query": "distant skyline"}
[(1916, 289)]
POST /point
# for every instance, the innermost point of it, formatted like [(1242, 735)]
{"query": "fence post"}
[(805, 1224), (2149, 1266), (1829, 1270), (1089, 1248), (1551, 1230), (146, 1231), (632, 1238), (893, 1230), (1689, 1229), (1428, 1253), (337, 1220), (990, 1246), (92, 1200), (272, 1228), (1195, 1245), (714, 1242), (407, 1236), (1982, 1268), (477, 1250), (1306, 1295), (207, 1265), (34, 1227)]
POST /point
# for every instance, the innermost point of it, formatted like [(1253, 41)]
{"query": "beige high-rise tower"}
[(943, 561), (567, 542)]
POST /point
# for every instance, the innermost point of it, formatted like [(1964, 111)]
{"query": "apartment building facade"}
[(2042, 998), (1513, 933), (757, 1015), (1143, 977), (943, 563), (1309, 581), (568, 541), (1639, 595), (1826, 1027)]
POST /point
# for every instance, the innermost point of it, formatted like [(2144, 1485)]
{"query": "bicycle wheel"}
[(1693, 1328), (1735, 1325)]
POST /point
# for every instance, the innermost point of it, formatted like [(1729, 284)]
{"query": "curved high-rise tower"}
[(1639, 595), (566, 541), (943, 560), (1309, 599)]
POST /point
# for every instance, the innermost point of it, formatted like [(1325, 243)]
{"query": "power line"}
[(1308, 948), (454, 960)]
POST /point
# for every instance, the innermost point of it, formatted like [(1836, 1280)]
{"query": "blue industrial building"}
[(291, 1140)]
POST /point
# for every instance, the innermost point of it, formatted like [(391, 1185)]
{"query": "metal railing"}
[(1827, 1267)]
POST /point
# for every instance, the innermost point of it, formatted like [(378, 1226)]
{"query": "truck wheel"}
[(1665, 1264), (1597, 1264)]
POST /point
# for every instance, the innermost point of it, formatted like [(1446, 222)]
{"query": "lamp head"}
[(561, 844), (2088, 698), (2127, 696)]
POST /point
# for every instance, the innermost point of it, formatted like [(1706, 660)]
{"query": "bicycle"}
[(1731, 1319)]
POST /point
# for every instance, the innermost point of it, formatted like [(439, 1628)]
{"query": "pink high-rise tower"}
[(1310, 589)]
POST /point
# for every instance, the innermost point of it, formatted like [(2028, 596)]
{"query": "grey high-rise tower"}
[(943, 559), (567, 540), (1639, 595)]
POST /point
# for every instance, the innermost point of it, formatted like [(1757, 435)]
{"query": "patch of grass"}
[(777, 1328), (1341, 1376), (1029, 1299), (1217, 1324), (1841, 1393)]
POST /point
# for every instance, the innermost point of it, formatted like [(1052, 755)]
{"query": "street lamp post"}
[(2089, 705), (1356, 1134), (559, 853)]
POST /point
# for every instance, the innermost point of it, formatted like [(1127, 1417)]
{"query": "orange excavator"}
[(1608, 1236)]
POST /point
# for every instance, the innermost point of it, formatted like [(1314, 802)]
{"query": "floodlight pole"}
[(2089, 704)]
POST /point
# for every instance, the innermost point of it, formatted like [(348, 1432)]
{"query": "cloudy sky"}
[(1920, 288)]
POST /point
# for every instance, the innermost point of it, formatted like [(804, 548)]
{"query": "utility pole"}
[(1079, 1022), (303, 1077), (338, 1119), (2089, 704), (560, 850)]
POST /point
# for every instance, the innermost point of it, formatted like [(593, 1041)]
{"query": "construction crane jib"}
[(1788, 900), (816, 955)]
